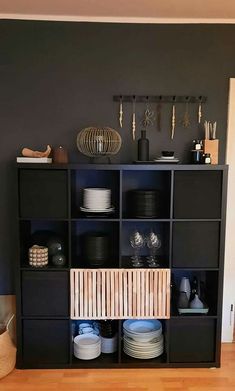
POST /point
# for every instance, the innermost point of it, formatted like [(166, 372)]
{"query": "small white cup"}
[(87, 330)]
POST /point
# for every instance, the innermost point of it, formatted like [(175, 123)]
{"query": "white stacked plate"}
[(143, 339), (87, 346), (96, 198), (109, 345)]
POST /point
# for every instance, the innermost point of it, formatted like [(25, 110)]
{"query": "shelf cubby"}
[(46, 342), (208, 289), (79, 228), (45, 294), (147, 180), (44, 194), (144, 227), (192, 340), (81, 179), (38, 232), (197, 194), (154, 362), (196, 244)]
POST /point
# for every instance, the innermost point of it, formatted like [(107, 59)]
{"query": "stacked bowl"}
[(143, 339), (87, 346)]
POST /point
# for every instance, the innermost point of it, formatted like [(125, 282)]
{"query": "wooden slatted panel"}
[(120, 293)]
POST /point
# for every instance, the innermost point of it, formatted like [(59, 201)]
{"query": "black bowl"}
[(168, 153)]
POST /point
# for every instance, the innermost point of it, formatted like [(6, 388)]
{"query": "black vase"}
[(143, 147)]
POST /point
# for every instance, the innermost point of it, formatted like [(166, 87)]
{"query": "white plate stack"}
[(109, 345), (143, 339), (96, 200), (87, 346)]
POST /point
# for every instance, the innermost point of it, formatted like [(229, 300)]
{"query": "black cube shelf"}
[(191, 225)]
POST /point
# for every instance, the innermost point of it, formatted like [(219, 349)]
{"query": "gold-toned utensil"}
[(120, 112), (199, 112), (173, 120), (133, 120)]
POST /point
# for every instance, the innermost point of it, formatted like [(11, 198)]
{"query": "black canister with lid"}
[(207, 158)]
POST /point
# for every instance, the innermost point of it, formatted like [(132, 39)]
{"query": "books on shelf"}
[(23, 159)]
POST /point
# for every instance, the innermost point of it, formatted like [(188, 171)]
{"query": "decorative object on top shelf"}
[(173, 119), (120, 113), (31, 156), (60, 155), (159, 116), (30, 153), (197, 152), (38, 256), (159, 99), (143, 147), (211, 143), (167, 157), (186, 118), (133, 123), (97, 142), (148, 117)]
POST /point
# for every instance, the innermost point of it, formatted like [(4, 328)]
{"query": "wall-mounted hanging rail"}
[(160, 98)]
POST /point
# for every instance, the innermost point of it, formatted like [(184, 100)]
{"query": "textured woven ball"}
[(96, 142)]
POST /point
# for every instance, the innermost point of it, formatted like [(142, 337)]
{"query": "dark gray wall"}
[(57, 78)]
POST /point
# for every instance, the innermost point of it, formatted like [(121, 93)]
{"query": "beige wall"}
[(229, 274)]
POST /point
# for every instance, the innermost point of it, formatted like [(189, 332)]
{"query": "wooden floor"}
[(221, 379)]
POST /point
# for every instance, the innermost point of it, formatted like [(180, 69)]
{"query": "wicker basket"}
[(7, 351)]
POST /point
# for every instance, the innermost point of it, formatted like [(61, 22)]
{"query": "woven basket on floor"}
[(7, 351)]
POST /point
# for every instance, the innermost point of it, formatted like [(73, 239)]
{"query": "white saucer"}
[(164, 160), (87, 210)]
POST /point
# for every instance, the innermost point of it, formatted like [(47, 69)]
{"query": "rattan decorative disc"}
[(96, 142)]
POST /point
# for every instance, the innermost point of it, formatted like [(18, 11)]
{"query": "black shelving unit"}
[(192, 227)]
